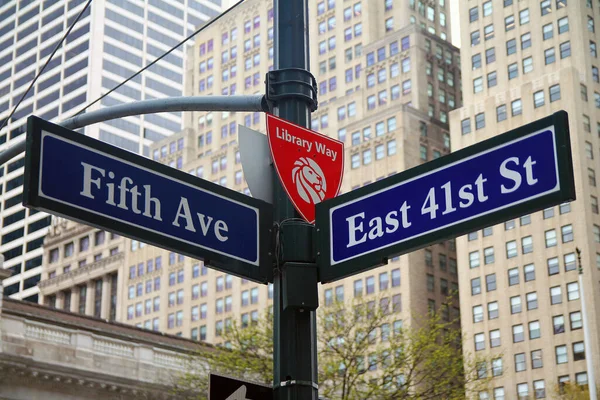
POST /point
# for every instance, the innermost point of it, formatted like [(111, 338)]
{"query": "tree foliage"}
[(363, 353), (572, 391)]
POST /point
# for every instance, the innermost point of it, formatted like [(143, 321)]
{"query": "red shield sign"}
[(310, 165)]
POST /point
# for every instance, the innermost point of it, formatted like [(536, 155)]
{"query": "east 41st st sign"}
[(521, 171)]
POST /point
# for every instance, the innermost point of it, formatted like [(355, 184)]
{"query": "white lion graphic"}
[(309, 179)]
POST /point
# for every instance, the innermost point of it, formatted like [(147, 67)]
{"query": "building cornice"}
[(74, 277)]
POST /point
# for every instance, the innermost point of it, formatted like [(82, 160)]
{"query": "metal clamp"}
[(292, 82), (295, 382)]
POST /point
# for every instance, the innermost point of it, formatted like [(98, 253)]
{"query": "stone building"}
[(52, 354)]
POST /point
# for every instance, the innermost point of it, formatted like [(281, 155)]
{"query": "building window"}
[(488, 255), (558, 323), (516, 107), (465, 126), (567, 233), (555, 295), (513, 71), (561, 354), (532, 301), (520, 363), (490, 282), (538, 99), (518, 333), (515, 305), (553, 267), (534, 330), (550, 238), (565, 50), (475, 286), (572, 291), (511, 249), (575, 320), (539, 388), (513, 276), (479, 341), (474, 259), (501, 113), (479, 121)]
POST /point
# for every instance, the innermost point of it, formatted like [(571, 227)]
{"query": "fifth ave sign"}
[(521, 171), (89, 181)]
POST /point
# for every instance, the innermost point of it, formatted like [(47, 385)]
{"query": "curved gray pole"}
[(250, 103)]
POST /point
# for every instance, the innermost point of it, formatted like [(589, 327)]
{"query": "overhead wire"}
[(200, 29), (45, 64)]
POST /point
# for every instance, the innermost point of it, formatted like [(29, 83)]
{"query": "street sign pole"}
[(293, 90)]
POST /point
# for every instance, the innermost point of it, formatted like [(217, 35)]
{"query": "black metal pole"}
[(291, 87)]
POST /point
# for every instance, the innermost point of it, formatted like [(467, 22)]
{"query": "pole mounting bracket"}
[(296, 382), (296, 83)]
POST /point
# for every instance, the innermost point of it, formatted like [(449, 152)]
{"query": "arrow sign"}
[(516, 173), (225, 388), (309, 165), (89, 181)]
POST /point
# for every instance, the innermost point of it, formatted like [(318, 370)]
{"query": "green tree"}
[(363, 353), (571, 391)]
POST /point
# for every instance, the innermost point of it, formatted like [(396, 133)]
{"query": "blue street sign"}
[(98, 184), (513, 174)]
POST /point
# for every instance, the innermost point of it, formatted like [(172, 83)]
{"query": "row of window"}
[(528, 275), (84, 245), (382, 73), (386, 280), (442, 258), (516, 306), (172, 148), (526, 246), (138, 290), (518, 335), (381, 150), (516, 108), (539, 386)]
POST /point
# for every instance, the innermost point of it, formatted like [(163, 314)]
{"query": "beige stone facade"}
[(51, 354), (519, 298)]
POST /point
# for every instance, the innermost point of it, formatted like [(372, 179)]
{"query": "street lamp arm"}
[(251, 103)]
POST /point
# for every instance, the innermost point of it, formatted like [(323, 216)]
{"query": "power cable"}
[(45, 65)]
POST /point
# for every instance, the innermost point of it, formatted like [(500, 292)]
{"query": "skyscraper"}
[(520, 296), (111, 41)]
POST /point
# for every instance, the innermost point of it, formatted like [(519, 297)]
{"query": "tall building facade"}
[(387, 81), (112, 40), (520, 297)]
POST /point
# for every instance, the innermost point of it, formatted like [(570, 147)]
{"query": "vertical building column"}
[(105, 309), (60, 300), (75, 299), (89, 298)]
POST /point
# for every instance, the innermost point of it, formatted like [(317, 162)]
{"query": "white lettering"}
[(481, 197), (465, 194), (221, 226), (185, 207), (353, 228), (87, 179), (510, 174), (529, 172)]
